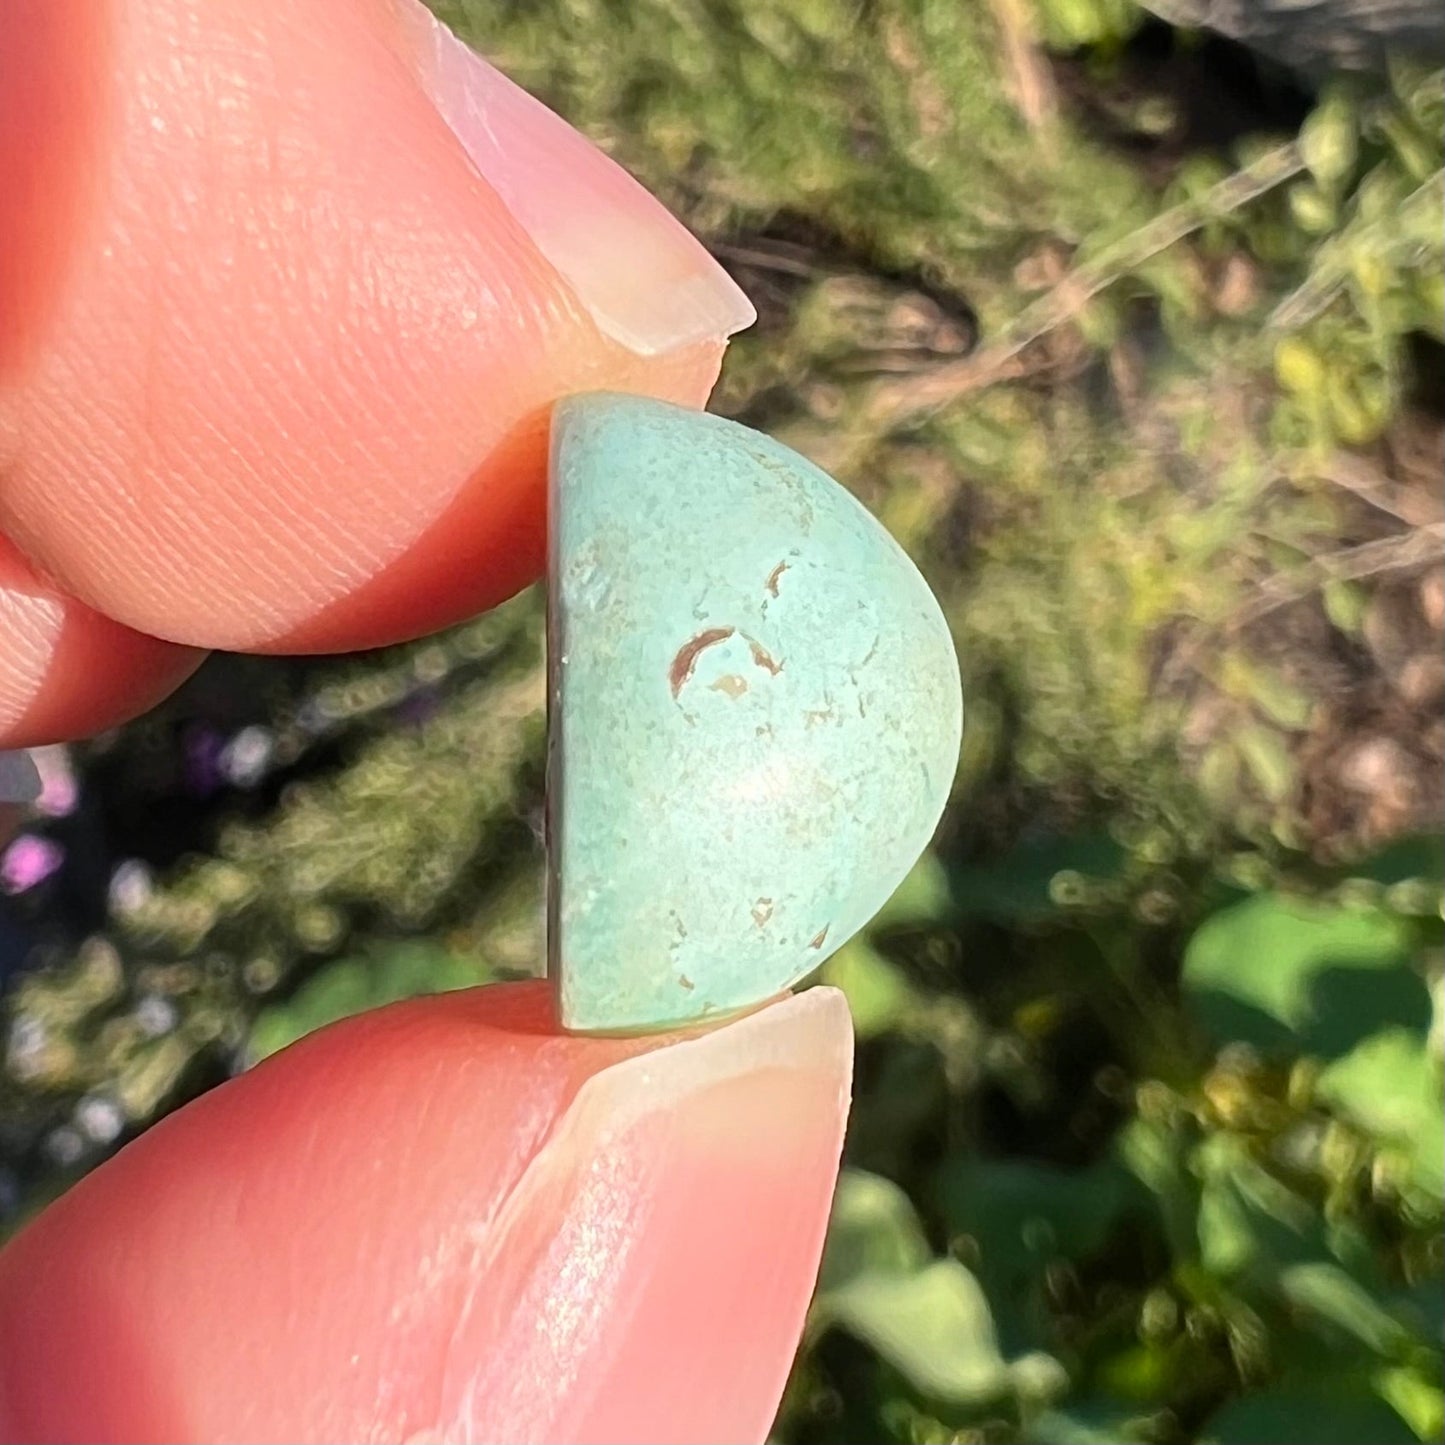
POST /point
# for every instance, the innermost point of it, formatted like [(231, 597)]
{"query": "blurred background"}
[(1134, 334)]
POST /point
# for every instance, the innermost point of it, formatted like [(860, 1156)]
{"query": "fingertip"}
[(284, 393), (458, 1224), (689, 1188), (646, 281), (68, 672)]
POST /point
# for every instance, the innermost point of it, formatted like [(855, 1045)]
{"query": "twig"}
[(1312, 298), (764, 260), (1357, 476), (894, 403), (1417, 547), (1028, 74)]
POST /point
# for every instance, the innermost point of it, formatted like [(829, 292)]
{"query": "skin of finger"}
[(288, 384), (444, 1220), (66, 671), (47, 111)]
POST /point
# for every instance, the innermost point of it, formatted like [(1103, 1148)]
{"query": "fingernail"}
[(645, 279), (802, 1034), (19, 778), (668, 1235)]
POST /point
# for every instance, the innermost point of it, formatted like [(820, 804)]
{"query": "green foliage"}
[(1329, 1417), (1389, 1086), (1246, 1246), (926, 1318), (1320, 978), (1147, 1135)]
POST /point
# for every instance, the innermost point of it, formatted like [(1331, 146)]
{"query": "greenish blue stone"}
[(754, 715)]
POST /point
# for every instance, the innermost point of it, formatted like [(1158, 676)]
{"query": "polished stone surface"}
[(754, 718)]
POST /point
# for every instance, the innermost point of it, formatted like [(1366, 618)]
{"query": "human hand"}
[(287, 295)]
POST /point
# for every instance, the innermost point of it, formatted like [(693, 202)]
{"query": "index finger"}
[(320, 275)]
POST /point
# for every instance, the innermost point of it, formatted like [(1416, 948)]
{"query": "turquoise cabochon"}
[(754, 715)]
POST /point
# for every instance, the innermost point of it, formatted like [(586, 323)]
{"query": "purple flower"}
[(29, 860), (59, 791), (204, 773), (420, 707)]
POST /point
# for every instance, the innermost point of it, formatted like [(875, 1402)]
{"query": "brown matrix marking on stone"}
[(688, 654)]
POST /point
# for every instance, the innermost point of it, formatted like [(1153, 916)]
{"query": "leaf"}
[(934, 1326), (1421, 856), (1021, 1217), (876, 990), (922, 897), (1146, 1373), (1086, 1422), (1282, 703), (873, 1228), (1329, 138), (1024, 1214), (1325, 1291), (1423, 1306), (1265, 754), (1345, 605), (1390, 1086), (1227, 1241), (1329, 1293), (1421, 1402), (1248, 1219), (1271, 971), (1282, 1417), (1152, 1153), (1279, 700), (1299, 367), (1019, 885), (929, 1319)]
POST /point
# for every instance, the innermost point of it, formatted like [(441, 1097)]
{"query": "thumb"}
[(444, 1221)]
